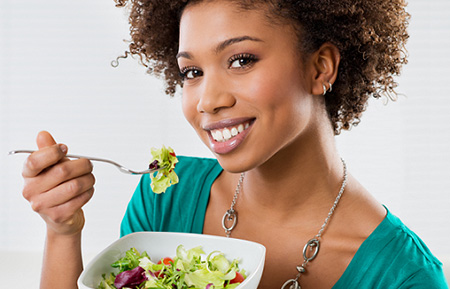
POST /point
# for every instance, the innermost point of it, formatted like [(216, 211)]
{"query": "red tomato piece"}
[(166, 261), (160, 274), (238, 279)]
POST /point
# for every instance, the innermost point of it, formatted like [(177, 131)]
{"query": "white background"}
[(55, 75)]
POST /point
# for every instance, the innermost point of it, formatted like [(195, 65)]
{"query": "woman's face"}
[(244, 89)]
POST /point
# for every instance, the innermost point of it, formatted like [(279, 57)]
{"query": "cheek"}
[(189, 107), (282, 100), (274, 90)]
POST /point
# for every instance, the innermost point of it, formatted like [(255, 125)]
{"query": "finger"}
[(44, 139), (55, 176), (66, 211), (43, 159), (63, 193)]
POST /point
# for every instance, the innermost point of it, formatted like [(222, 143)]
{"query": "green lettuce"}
[(188, 270), (166, 159), (107, 282)]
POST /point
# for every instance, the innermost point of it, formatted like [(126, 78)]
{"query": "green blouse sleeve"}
[(393, 257)]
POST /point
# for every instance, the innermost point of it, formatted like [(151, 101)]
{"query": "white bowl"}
[(163, 244)]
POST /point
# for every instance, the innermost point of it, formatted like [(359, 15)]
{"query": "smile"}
[(225, 134)]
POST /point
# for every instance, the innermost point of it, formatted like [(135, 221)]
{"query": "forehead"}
[(215, 21)]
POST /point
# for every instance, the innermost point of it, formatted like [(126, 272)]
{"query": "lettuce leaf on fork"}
[(163, 158)]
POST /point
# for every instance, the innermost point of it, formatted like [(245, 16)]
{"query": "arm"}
[(57, 188), (62, 263)]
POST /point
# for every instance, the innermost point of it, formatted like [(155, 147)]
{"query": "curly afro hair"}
[(370, 36)]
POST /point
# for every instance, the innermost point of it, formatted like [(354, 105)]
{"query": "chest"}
[(285, 237), (284, 252)]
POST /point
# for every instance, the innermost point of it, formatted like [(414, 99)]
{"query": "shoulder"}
[(196, 176), (410, 244), (393, 256), (189, 170), (187, 167), (186, 200), (410, 256), (187, 160)]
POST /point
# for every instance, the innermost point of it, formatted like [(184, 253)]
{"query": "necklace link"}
[(312, 244), (229, 216), (292, 283)]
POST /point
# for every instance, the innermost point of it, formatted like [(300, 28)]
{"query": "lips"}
[(227, 135)]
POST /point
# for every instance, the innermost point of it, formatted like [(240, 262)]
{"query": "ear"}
[(325, 63)]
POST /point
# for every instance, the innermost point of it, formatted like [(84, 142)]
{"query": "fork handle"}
[(69, 156), (120, 167)]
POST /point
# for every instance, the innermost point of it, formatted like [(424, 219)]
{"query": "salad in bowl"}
[(175, 260)]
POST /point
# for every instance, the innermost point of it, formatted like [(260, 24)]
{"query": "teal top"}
[(391, 257)]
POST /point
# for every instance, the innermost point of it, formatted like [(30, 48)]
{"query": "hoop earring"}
[(325, 90)]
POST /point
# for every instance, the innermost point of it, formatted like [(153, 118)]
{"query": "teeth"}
[(228, 133), (218, 136)]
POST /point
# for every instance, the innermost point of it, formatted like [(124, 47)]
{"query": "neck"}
[(304, 175)]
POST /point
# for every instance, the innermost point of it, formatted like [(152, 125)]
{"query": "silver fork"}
[(120, 167)]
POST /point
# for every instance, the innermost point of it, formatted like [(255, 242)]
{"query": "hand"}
[(57, 187)]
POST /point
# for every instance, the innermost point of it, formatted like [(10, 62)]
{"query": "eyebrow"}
[(222, 45)]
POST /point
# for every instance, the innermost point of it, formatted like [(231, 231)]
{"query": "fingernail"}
[(63, 148)]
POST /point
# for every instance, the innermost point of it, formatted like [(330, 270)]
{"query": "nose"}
[(215, 94)]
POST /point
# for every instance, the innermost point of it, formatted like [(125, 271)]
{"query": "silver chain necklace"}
[(229, 221)]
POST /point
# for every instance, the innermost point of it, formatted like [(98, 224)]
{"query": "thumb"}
[(44, 139)]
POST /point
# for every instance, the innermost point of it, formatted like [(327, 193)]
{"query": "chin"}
[(234, 164)]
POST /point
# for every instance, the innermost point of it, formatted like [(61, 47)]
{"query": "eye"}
[(243, 60), (190, 72)]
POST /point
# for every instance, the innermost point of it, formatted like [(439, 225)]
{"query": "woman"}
[(266, 85)]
